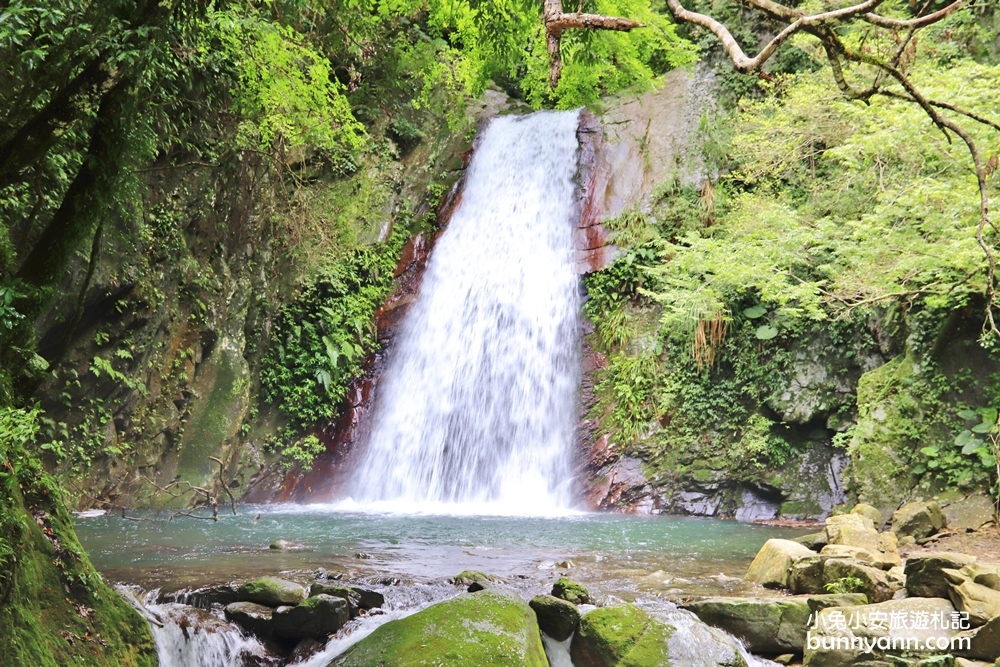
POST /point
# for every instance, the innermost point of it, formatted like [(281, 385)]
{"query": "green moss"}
[(623, 636), (800, 508), (55, 610), (224, 381), (271, 591), (489, 628), (569, 590)]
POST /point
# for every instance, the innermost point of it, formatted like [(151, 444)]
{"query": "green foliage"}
[(302, 452), (286, 92), (834, 205), (845, 585), (322, 337), (972, 455), (505, 42)]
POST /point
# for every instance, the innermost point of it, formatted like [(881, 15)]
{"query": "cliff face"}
[(157, 398), (731, 419)]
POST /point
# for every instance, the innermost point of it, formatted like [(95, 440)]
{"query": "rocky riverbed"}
[(865, 590)]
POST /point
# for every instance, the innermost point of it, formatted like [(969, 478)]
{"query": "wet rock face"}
[(620, 635), (254, 618), (358, 599), (271, 591), (316, 618)]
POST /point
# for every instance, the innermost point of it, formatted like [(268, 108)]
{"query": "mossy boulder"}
[(569, 590), (317, 617), (556, 618), (358, 599), (769, 625), (54, 608), (489, 628), (621, 635), (925, 574), (271, 592), (474, 580), (853, 530), (771, 566), (918, 519)]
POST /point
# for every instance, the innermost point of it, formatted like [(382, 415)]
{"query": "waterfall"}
[(191, 637), (477, 409)]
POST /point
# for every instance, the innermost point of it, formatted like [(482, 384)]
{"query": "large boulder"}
[(981, 603), (806, 575), (771, 566), (918, 520), (358, 599), (769, 625), (489, 628), (856, 530), (870, 512), (569, 590), (984, 643), (984, 574), (970, 513), (851, 637), (814, 541), (252, 617), (925, 577), (556, 618), (621, 635), (271, 592), (627, 636), (697, 644), (317, 617), (856, 577)]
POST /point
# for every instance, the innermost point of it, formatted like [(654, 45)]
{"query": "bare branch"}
[(740, 59), (561, 22), (920, 22)]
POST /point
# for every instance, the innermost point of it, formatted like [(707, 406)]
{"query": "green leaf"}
[(989, 416), (968, 414), (972, 447), (754, 312), (931, 451), (766, 332), (985, 427), (965, 437)]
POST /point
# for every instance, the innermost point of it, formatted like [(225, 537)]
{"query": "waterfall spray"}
[(478, 406)]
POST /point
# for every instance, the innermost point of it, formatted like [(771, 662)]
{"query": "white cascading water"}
[(190, 637), (477, 408)]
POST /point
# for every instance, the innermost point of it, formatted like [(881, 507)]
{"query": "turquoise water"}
[(616, 554)]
